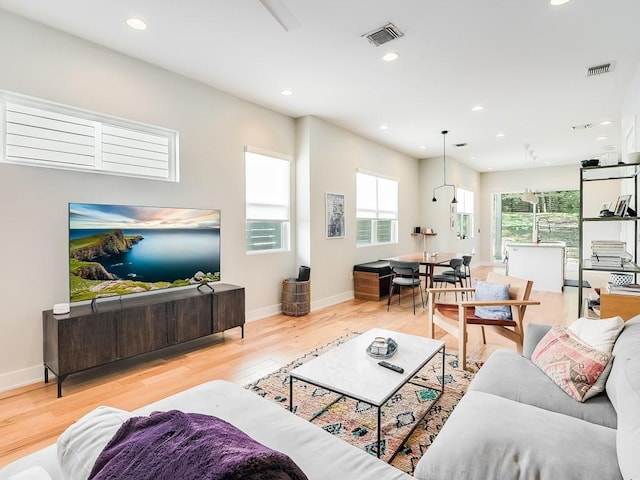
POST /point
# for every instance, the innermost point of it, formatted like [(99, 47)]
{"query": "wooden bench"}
[(371, 280)]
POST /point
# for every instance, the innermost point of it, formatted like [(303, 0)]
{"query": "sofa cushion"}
[(486, 291), (626, 389), (572, 364), (627, 346), (81, 443), (490, 437), (510, 375)]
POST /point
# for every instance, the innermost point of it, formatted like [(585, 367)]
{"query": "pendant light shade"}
[(444, 170)]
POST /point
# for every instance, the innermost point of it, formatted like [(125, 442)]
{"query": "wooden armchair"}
[(454, 318)]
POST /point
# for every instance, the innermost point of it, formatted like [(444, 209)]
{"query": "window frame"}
[(379, 216), (283, 224), (138, 141)]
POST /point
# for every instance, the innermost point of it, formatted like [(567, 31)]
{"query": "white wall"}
[(335, 155), (436, 215)]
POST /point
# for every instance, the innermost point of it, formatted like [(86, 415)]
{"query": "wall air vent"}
[(383, 35), (460, 144), (599, 69), (582, 127)]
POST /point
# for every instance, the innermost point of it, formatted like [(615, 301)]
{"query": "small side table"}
[(296, 297)]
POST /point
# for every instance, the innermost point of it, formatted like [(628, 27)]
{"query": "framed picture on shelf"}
[(621, 205), (335, 215)]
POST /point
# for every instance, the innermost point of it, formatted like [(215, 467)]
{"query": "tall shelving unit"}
[(603, 174)]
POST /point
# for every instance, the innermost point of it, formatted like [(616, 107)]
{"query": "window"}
[(40, 133), (555, 217), (376, 210), (463, 220), (268, 195)]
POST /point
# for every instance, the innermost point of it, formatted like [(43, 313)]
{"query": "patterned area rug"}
[(356, 422)]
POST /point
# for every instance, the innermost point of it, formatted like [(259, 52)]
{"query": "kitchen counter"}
[(541, 262)]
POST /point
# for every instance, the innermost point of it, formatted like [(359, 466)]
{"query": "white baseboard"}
[(329, 301), (20, 378)]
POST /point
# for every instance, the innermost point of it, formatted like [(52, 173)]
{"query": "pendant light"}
[(444, 168)]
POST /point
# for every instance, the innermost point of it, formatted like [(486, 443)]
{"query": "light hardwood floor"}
[(32, 417)]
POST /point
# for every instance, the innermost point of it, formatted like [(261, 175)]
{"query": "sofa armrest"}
[(532, 335)]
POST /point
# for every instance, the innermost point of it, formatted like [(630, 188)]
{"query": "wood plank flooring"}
[(32, 417)]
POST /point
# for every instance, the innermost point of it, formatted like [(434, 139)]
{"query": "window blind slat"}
[(49, 145), (29, 131), (132, 143), (136, 170), (49, 123), (26, 153), (134, 135)]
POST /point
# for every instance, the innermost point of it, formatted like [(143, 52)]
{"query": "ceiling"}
[(524, 61)]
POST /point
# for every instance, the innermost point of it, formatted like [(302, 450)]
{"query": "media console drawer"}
[(86, 338)]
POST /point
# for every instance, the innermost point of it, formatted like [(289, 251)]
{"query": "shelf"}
[(611, 219), (629, 267), (609, 172), (602, 173), (424, 234)]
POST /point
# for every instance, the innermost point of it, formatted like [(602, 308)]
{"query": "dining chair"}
[(405, 274), (452, 278), (464, 274), (455, 318)]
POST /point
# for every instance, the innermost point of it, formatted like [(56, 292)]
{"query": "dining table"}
[(429, 260)]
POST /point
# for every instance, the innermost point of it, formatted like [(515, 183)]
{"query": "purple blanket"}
[(182, 446)]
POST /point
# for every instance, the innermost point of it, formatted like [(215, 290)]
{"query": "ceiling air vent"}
[(464, 144), (384, 34), (599, 69)]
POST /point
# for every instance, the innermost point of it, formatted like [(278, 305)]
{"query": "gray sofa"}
[(514, 422)]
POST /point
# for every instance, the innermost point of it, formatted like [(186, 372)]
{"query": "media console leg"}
[(60, 380), (46, 375)]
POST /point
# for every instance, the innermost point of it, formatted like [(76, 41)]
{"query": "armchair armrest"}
[(533, 334), (497, 303)]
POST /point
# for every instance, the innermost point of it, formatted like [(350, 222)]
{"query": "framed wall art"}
[(335, 215)]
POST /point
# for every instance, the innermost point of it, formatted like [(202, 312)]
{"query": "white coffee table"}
[(349, 371)]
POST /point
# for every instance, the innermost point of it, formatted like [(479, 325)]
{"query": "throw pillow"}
[(572, 364), (80, 444), (599, 333), (486, 291)]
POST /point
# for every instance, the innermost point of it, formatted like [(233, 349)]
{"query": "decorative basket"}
[(620, 279)]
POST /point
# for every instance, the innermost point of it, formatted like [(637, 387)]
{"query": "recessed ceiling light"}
[(136, 23), (286, 92), (606, 122), (558, 2), (500, 135), (601, 138), (422, 147), (477, 108), (390, 56), (384, 127)]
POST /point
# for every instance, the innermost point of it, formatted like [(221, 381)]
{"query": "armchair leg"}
[(462, 338), (484, 339)]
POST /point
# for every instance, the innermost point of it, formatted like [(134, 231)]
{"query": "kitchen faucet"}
[(538, 227)]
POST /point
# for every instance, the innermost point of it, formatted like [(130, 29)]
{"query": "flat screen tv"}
[(122, 249)]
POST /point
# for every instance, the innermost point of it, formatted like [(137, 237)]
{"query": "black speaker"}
[(303, 274), (417, 230)]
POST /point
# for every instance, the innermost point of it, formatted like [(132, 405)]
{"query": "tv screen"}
[(121, 249)]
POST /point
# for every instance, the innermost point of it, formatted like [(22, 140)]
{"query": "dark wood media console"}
[(113, 330)]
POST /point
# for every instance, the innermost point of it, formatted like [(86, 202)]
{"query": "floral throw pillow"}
[(572, 364)]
